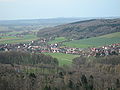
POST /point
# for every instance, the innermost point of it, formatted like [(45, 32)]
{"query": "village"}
[(41, 46)]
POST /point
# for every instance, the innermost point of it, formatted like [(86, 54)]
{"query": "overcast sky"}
[(33, 9)]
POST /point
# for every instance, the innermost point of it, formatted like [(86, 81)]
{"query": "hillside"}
[(82, 29), (95, 41)]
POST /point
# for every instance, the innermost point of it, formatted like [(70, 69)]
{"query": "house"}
[(55, 50), (71, 51), (44, 51)]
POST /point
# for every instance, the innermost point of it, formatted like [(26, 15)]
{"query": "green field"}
[(14, 39), (64, 59), (58, 39), (95, 41), (14, 32)]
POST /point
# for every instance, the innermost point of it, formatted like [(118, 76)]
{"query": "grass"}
[(64, 59), (13, 39), (58, 39), (95, 41), (14, 32)]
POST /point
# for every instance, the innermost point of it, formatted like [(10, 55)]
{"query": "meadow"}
[(57, 40), (7, 39), (95, 41), (64, 59)]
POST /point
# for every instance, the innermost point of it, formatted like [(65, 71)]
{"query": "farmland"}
[(95, 41), (9, 39), (64, 59)]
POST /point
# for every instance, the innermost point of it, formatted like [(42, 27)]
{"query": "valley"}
[(82, 55)]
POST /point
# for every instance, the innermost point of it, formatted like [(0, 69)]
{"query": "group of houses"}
[(113, 49), (55, 48), (30, 47)]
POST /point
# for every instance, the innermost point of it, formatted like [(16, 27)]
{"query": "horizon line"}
[(59, 18)]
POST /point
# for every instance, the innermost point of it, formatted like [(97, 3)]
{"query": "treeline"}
[(107, 60), (26, 58), (104, 71)]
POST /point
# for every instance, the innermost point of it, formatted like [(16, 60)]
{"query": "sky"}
[(40, 9)]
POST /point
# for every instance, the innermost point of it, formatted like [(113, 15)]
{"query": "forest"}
[(25, 71)]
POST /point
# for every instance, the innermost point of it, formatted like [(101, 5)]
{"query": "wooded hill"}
[(82, 29)]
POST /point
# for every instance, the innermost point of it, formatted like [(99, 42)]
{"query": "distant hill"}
[(95, 41), (34, 24), (82, 29), (51, 21)]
